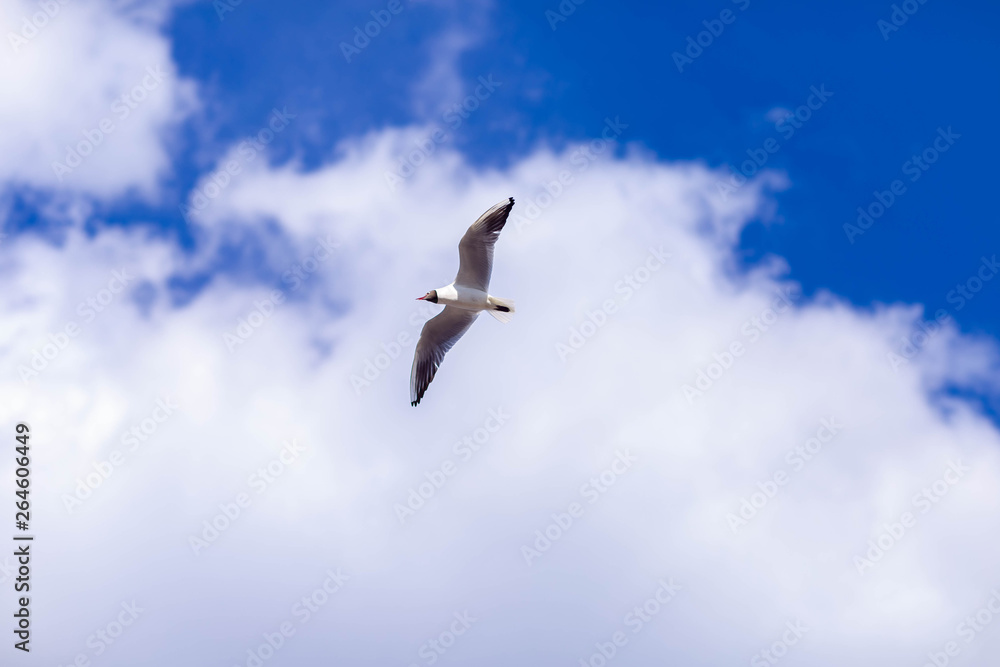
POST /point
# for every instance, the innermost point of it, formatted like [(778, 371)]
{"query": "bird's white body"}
[(466, 298)]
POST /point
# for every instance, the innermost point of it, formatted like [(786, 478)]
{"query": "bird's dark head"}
[(431, 296)]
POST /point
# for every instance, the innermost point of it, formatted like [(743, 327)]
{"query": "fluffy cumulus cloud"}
[(92, 92), (660, 459)]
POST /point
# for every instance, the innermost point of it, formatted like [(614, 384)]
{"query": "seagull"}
[(463, 299)]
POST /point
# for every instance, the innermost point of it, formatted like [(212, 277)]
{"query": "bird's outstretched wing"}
[(439, 335), (475, 250)]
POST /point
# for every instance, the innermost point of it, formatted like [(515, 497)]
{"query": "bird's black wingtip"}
[(511, 199), (414, 403)]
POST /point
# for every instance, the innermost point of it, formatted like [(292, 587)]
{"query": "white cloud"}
[(442, 82), (665, 517), (441, 85), (94, 79)]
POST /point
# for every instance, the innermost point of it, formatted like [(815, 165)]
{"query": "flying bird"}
[(463, 299)]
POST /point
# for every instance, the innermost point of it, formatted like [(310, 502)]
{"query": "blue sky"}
[(892, 90), (738, 436), (890, 96)]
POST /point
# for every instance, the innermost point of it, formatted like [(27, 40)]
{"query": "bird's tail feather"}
[(502, 309)]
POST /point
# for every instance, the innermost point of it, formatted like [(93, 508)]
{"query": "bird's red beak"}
[(421, 298)]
